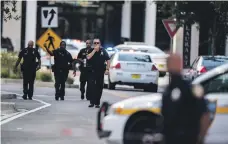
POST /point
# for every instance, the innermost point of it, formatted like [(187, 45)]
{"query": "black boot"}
[(24, 97), (91, 105), (62, 98), (82, 96)]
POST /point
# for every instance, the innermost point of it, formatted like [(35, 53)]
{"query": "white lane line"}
[(27, 112)]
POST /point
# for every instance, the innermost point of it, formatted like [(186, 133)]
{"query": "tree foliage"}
[(195, 11), (214, 14), (9, 10)]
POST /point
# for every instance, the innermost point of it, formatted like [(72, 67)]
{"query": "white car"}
[(139, 116), (203, 64), (158, 56), (135, 69)]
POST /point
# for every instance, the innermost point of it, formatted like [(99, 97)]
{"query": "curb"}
[(37, 83), (8, 107), (8, 96)]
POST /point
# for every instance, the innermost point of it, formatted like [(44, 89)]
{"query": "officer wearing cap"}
[(83, 69), (97, 58), (63, 63), (186, 117), (28, 68)]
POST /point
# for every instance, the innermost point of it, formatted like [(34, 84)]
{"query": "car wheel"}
[(162, 74), (151, 88), (143, 129), (111, 85)]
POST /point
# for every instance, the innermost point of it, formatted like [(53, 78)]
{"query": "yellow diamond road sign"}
[(50, 40)]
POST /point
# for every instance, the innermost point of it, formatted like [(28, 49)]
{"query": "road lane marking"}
[(27, 112)]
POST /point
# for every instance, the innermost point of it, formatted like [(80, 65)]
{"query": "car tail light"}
[(203, 70), (154, 68), (117, 66)]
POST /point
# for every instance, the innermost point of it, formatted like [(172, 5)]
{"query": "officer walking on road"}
[(186, 117), (28, 68), (84, 69), (63, 63), (97, 57)]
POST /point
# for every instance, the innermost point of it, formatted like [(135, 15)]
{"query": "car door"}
[(216, 88)]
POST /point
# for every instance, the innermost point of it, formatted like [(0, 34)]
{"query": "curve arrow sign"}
[(52, 12)]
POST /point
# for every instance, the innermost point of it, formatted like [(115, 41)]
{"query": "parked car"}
[(203, 64), (136, 69), (157, 55), (116, 121)]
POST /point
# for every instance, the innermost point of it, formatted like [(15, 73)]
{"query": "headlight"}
[(115, 109)]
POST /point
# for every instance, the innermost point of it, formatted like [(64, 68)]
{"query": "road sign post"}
[(49, 17), (172, 29)]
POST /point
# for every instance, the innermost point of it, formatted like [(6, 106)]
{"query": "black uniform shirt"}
[(63, 59), (98, 60), (29, 56), (181, 109), (83, 55)]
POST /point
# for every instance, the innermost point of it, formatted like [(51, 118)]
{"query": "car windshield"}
[(134, 57), (142, 49), (212, 62), (71, 47), (151, 50)]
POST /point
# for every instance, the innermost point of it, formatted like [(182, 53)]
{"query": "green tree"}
[(8, 10), (211, 16)]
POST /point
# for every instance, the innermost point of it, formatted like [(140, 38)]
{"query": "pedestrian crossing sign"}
[(49, 39)]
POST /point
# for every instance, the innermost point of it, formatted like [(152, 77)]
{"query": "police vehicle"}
[(132, 68), (158, 56), (117, 120), (202, 64)]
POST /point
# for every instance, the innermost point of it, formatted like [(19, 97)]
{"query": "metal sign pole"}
[(171, 51)]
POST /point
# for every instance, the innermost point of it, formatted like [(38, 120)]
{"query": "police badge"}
[(102, 53), (175, 94)]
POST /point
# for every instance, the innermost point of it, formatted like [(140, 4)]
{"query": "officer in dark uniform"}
[(63, 63), (84, 68), (28, 68), (186, 117), (97, 58)]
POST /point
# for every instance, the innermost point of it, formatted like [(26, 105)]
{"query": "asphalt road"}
[(71, 121)]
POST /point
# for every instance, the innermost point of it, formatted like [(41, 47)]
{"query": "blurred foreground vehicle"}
[(140, 118), (157, 55), (203, 64), (136, 69)]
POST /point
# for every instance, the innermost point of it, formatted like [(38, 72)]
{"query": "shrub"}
[(38, 75), (45, 77), (8, 60), (70, 80), (4, 73), (15, 76)]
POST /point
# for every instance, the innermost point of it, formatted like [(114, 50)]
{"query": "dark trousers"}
[(180, 139), (28, 82), (83, 81), (96, 84), (60, 80)]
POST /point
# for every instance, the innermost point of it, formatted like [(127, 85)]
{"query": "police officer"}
[(97, 58), (28, 68), (63, 63), (186, 117), (84, 69)]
